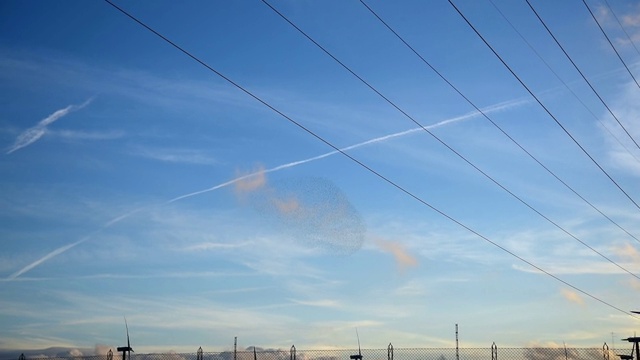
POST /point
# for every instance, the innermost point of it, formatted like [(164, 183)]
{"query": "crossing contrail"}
[(62, 249), (497, 107)]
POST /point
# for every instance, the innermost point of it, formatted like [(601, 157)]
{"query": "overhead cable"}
[(582, 74), (469, 162), (377, 16), (358, 162), (543, 106), (610, 43), (597, 118), (633, 43)]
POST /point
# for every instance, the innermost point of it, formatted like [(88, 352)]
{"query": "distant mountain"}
[(51, 352)]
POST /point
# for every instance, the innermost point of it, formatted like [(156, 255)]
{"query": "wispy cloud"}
[(87, 135), (160, 275), (215, 246), (254, 178), (577, 267), (413, 287), (634, 284), (50, 255), (253, 181), (162, 92), (261, 172), (318, 303), (626, 154), (176, 155), (572, 296), (632, 18), (400, 254), (628, 22), (34, 133)]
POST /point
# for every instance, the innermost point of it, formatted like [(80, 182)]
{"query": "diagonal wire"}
[(452, 149), (580, 72), (604, 125), (494, 123), (542, 105), (363, 165), (610, 43), (622, 27)]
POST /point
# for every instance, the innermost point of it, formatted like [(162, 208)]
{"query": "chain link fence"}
[(489, 353)]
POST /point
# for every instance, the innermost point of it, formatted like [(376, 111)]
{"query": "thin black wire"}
[(542, 105), (492, 122), (366, 167), (610, 43), (604, 125), (447, 145), (622, 27), (580, 72)]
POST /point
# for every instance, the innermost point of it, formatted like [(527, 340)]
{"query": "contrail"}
[(54, 253), (489, 109), (64, 248), (60, 250), (34, 133)]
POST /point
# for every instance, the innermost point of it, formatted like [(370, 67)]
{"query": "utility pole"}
[(613, 344)]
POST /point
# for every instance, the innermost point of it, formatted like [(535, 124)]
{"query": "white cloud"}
[(167, 93), (62, 249), (626, 26), (86, 135), (632, 18), (572, 296), (559, 267), (413, 287), (214, 246), (318, 303), (627, 109), (176, 155), (34, 133)]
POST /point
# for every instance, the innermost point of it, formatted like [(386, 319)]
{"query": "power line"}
[(610, 43), (622, 27), (542, 105), (580, 72), (447, 145), (358, 162), (604, 125), (377, 16)]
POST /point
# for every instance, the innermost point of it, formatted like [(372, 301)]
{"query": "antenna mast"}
[(235, 348)]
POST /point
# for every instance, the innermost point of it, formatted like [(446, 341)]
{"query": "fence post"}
[(494, 351), (605, 351), (292, 353), (199, 354), (457, 349), (390, 352)]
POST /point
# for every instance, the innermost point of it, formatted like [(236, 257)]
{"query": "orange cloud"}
[(286, 206), (572, 296), (628, 252), (634, 284), (399, 252), (252, 182)]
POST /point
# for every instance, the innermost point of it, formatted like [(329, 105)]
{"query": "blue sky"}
[(137, 183)]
